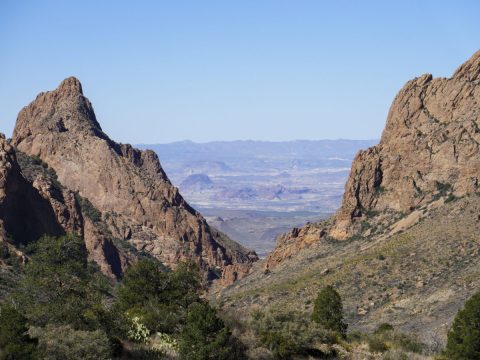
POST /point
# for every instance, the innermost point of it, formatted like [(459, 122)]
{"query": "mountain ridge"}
[(128, 186), (429, 146)]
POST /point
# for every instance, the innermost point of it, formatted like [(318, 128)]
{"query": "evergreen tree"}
[(464, 336), (160, 298), (143, 282), (328, 310), (15, 343), (187, 283), (205, 336), (59, 286)]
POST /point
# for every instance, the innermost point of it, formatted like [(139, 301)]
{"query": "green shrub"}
[(464, 336), (205, 336), (88, 209), (65, 343), (138, 332), (376, 344), (286, 334), (15, 343), (385, 338), (383, 328), (59, 287), (160, 298), (328, 311)]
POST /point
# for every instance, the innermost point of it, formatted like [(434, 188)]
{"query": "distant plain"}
[(255, 190)]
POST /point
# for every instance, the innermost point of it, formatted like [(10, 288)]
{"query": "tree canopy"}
[(328, 310), (464, 336)]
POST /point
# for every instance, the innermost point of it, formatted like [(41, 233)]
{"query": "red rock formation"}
[(127, 185), (430, 147)]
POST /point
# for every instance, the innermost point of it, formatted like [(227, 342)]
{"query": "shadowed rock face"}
[(430, 144), (127, 185), (33, 204), (24, 214)]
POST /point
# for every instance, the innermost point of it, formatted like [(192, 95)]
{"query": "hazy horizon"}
[(253, 140)]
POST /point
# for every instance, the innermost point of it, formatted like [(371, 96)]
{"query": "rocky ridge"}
[(128, 187), (428, 150)]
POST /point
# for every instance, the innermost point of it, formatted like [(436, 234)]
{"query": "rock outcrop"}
[(430, 145), (128, 186), (33, 203), (24, 214), (428, 150)]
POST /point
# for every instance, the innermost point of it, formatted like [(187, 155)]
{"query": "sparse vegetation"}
[(64, 342), (285, 334), (88, 209), (442, 190)]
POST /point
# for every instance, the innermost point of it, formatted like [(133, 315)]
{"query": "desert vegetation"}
[(62, 307)]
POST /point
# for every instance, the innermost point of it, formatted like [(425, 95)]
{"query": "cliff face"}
[(128, 186), (24, 214), (430, 145), (33, 203), (428, 150)]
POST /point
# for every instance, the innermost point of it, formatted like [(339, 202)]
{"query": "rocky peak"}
[(71, 86), (470, 70), (61, 110), (429, 147), (127, 185), (429, 150)]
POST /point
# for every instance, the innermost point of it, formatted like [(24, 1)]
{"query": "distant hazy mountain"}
[(230, 152), (284, 183)]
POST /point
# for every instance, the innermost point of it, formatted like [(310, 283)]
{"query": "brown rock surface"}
[(428, 150), (33, 203), (126, 185), (430, 144), (24, 214)]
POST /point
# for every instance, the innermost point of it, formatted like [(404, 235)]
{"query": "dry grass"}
[(416, 279)]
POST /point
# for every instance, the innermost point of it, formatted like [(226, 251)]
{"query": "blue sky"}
[(161, 71)]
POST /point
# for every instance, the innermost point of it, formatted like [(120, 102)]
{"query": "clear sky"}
[(161, 71)]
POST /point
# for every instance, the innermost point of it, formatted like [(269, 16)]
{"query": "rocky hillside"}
[(404, 245), (429, 148), (124, 188)]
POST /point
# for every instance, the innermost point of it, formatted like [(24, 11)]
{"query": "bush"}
[(376, 344), (65, 343), (88, 209), (165, 344), (15, 343), (385, 338), (328, 311), (286, 334), (138, 332), (383, 328), (59, 287), (205, 336), (4, 252), (160, 298), (464, 336)]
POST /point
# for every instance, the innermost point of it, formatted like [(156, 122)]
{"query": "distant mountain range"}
[(260, 188)]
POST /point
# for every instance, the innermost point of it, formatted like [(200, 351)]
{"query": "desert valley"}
[(261, 180), (400, 250)]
